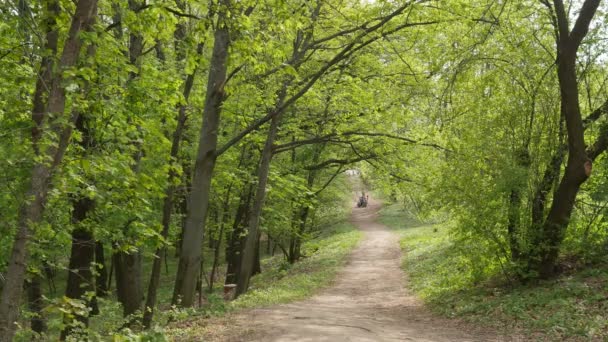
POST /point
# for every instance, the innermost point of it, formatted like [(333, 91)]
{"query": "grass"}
[(573, 307), (281, 282)]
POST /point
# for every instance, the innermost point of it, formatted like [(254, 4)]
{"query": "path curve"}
[(367, 302)]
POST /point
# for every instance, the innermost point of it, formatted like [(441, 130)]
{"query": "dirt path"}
[(366, 303)]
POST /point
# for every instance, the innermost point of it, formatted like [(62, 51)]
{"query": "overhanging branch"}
[(332, 162)]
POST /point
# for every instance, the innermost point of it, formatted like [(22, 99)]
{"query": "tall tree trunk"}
[(128, 265), (248, 258), (161, 251), (218, 241), (31, 211), (127, 270), (45, 73), (234, 249), (80, 278), (578, 167), (198, 202)]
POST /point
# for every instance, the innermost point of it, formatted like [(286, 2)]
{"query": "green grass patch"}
[(281, 282), (572, 307)]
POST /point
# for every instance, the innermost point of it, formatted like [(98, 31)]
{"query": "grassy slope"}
[(281, 283), (573, 307)]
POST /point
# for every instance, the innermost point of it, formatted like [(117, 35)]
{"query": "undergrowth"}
[(281, 282), (572, 307)]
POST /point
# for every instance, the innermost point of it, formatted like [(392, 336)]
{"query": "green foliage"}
[(282, 283), (571, 307), (450, 109)]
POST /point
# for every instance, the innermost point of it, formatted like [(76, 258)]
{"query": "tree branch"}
[(339, 162), (331, 179), (581, 27), (344, 53), (596, 114), (562, 19), (329, 137)]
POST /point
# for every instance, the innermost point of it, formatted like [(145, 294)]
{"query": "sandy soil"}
[(368, 302)]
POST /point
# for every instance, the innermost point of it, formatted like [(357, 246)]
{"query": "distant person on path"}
[(362, 203)]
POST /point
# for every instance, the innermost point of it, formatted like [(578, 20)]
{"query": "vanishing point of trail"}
[(367, 302)]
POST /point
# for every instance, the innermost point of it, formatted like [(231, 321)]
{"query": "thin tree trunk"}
[(31, 211), (36, 303), (248, 258), (234, 249), (80, 278), (101, 283), (257, 265), (168, 201), (305, 210), (218, 242), (128, 265), (513, 226), (198, 203), (45, 73), (522, 160)]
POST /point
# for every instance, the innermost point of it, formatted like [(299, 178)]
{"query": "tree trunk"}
[(248, 258), (296, 254), (198, 202), (129, 289), (578, 167), (101, 283), (513, 226), (257, 265), (218, 241), (234, 249), (32, 210), (36, 303), (182, 204), (168, 201), (128, 265), (80, 278)]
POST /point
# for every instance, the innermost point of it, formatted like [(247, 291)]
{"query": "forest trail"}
[(367, 302)]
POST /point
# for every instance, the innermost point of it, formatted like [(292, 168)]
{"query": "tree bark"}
[(36, 304), (80, 278), (248, 258), (578, 167), (257, 264), (128, 265), (234, 249), (32, 209), (218, 242), (45, 73), (101, 283), (198, 202), (168, 201), (127, 270)]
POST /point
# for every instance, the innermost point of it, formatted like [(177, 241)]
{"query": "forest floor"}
[(367, 302)]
